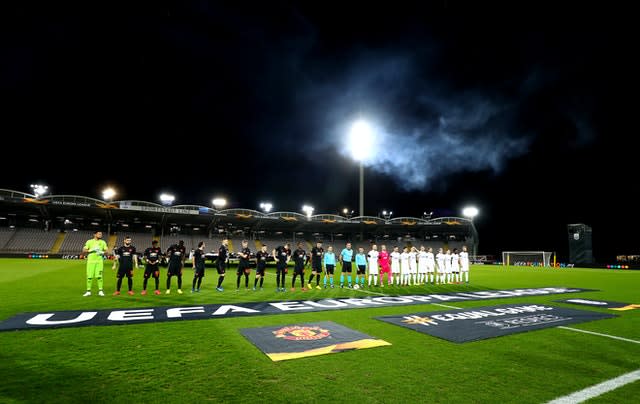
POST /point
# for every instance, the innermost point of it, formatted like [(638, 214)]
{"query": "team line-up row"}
[(412, 266)]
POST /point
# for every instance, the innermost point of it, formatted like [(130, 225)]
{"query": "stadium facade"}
[(58, 224)]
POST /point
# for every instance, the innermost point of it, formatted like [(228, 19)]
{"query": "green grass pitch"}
[(209, 361)]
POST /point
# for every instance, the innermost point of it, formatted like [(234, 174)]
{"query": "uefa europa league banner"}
[(78, 318)]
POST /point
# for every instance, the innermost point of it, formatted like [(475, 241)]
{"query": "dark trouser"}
[(280, 274), (295, 274)]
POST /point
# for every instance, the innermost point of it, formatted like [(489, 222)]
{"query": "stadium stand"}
[(274, 242), (235, 244), (111, 241), (6, 234), (31, 240), (58, 243), (74, 241), (139, 240), (190, 241), (26, 240), (168, 240), (76, 217)]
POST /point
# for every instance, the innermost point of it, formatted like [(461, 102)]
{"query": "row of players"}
[(401, 268), (411, 267)]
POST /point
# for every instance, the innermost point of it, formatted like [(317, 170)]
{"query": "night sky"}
[(524, 111)]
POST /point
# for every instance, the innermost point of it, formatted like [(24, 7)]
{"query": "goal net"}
[(526, 258)]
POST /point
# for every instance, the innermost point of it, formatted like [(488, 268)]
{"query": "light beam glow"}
[(108, 194), (219, 203), (308, 210), (470, 212), (361, 140), (167, 199)]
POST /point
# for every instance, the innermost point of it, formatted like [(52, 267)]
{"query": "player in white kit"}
[(431, 267), (441, 267), (404, 266), (464, 264), (413, 266), (455, 266), (422, 265), (373, 265), (395, 266), (447, 266)]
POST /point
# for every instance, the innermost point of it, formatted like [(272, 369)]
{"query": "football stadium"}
[(516, 330), (307, 202)]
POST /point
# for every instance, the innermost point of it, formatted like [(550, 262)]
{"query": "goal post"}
[(526, 258)]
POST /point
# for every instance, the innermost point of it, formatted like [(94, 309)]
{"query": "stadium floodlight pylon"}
[(526, 258)]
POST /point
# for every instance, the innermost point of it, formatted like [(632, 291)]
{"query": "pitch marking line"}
[(368, 291), (602, 335), (444, 305), (598, 389)]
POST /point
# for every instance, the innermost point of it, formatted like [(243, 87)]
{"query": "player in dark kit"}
[(198, 267), (152, 257), (300, 259), (243, 265), (261, 265), (316, 264), (223, 258), (281, 254), (126, 259), (176, 255)]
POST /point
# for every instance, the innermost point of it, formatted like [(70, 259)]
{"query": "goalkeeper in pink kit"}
[(383, 260)]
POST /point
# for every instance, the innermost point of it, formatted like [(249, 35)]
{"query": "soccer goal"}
[(526, 258)]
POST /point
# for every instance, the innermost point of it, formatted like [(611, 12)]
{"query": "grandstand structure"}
[(60, 224)]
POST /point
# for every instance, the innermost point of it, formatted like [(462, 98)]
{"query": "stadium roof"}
[(143, 211)]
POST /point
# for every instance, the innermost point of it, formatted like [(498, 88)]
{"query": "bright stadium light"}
[(470, 212), (39, 189), (266, 206), (360, 140), (219, 203), (108, 194), (308, 210), (167, 199), (361, 146)]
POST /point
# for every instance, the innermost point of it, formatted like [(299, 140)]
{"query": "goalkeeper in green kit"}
[(95, 249)]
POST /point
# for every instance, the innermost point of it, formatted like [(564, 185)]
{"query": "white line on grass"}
[(368, 291), (602, 335), (444, 305), (598, 389)]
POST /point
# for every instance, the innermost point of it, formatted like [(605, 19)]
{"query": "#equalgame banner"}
[(477, 323), (79, 318)]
